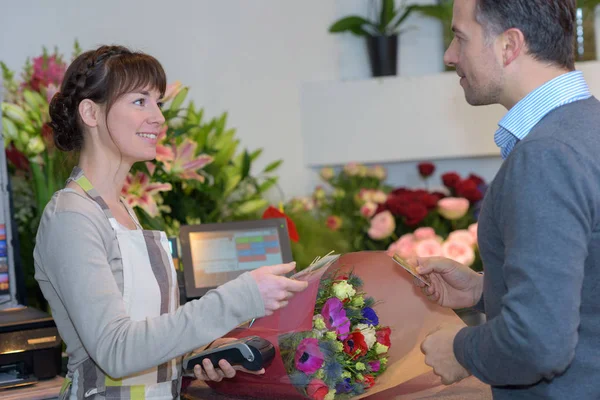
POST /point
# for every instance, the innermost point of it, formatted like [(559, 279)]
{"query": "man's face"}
[(478, 62)]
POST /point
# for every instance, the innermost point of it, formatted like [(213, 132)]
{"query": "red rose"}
[(426, 169), (399, 191), (415, 213), (450, 179), (468, 189), (355, 345), (476, 178), (438, 195), (380, 208), (272, 212), (369, 381), (317, 389), (383, 336), (394, 203), (430, 201)]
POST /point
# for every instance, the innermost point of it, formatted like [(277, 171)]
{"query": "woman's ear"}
[(89, 113)]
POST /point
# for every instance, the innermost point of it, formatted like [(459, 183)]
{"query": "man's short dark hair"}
[(548, 26)]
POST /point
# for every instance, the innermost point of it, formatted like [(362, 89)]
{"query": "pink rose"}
[(453, 207), (424, 233), (428, 248), (378, 172), (473, 231), (368, 209), (327, 173), (382, 226), (462, 235), (404, 247), (378, 196), (352, 169), (364, 196), (458, 251), (333, 222)]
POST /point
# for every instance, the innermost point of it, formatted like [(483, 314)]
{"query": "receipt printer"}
[(30, 347)]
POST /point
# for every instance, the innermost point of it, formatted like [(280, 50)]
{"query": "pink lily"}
[(180, 160), (139, 192)]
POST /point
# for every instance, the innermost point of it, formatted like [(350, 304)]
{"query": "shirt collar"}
[(532, 108)]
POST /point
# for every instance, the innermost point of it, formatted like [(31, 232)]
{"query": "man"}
[(539, 229)]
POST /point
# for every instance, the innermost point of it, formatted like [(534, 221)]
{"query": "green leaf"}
[(178, 100), (246, 162), (255, 154), (251, 206), (272, 166), (352, 24), (231, 184), (387, 14), (267, 184), (405, 15)]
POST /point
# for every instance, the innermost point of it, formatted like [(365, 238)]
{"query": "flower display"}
[(461, 246), (346, 350)]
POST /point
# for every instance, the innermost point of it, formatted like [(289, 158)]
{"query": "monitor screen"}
[(213, 254)]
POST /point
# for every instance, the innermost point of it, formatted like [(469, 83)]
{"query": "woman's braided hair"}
[(101, 75)]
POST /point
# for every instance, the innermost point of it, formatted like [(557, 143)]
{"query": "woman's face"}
[(134, 121)]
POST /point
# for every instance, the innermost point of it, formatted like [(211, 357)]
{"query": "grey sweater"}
[(539, 236), (79, 269)]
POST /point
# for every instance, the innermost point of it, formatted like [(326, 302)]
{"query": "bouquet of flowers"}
[(334, 341), (346, 350)]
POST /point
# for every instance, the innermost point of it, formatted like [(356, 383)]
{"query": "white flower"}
[(368, 331), (343, 290)]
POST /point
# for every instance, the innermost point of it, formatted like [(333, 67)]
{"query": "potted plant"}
[(381, 35)]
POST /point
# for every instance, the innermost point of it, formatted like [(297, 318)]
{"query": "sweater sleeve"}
[(546, 213), (72, 256)]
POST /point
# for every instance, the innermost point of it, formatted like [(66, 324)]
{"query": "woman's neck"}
[(107, 176)]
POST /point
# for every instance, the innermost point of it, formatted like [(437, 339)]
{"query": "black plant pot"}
[(383, 54)]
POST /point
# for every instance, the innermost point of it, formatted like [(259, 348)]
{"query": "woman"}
[(111, 285)]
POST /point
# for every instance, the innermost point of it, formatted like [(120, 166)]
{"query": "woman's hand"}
[(209, 373)]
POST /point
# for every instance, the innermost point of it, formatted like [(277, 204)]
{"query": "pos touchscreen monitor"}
[(213, 254)]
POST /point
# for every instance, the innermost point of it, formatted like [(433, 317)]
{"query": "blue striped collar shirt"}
[(520, 119)]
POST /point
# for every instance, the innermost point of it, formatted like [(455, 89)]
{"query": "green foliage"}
[(315, 239), (389, 22)]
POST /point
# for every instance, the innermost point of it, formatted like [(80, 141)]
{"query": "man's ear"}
[(513, 45), (89, 112)]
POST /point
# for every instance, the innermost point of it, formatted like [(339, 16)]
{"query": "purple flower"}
[(308, 356), (344, 386), (335, 317), (374, 365), (370, 316)]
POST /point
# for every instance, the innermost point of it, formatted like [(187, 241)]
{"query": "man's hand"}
[(438, 348), (452, 285), (209, 373)]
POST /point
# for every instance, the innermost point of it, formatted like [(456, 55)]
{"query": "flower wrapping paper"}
[(400, 305)]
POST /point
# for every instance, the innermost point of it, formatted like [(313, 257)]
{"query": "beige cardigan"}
[(79, 269)]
